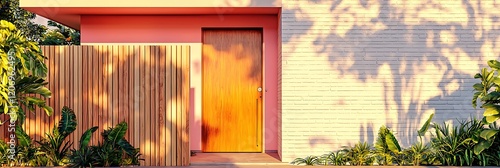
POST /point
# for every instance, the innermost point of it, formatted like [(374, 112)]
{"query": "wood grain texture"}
[(146, 86), (232, 73)]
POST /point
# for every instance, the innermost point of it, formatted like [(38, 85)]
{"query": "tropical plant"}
[(54, 144), (453, 144), (22, 65), (114, 150), (333, 158), (115, 146), (360, 154), (84, 156), (4, 153), (61, 36), (308, 160), (27, 153), (418, 152), (23, 19), (488, 93), (387, 146)]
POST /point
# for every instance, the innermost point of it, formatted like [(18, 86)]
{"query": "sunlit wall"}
[(350, 66)]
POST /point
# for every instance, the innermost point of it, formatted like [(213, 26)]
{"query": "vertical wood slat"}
[(142, 123), (168, 104), (146, 86), (161, 106), (174, 105), (185, 105), (136, 95)]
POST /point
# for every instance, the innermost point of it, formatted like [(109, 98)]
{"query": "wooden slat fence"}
[(145, 86)]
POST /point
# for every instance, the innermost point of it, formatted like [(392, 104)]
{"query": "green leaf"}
[(392, 143), (478, 87), (35, 100), (22, 138), (491, 119), (487, 134), (481, 146), (126, 146), (67, 124), (48, 110), (118, 132), (478, 75), (426, 125), (491, 110), (496, 80), (494, 64), (85, 139), (491, 96), (474, 99)]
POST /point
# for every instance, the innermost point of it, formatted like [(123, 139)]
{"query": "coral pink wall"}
[(188, 29)]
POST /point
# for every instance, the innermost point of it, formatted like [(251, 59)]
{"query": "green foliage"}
[(22, 19), (23, 63), (360, 154), (425, 127), (449, 146), (419, 153), (387, 146), (333, 158), (61, 36), (114, 150), (4, 153), (84, 156), (54, 145), (488, 92), (309, 161), (27, 153), (53, 37), (454, 144)]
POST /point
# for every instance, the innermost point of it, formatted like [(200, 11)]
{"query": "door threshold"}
[(236, 159)]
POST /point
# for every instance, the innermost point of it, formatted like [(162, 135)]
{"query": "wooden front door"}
[(232, 82)]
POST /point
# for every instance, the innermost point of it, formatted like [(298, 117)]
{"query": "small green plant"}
[(488, 93), (308, 160), (359, 155), (454, 144), (418, 152), (333, 158), (27, 153), (114, 150), (54, 144), (4, 153), (387, 146), (84, 156)]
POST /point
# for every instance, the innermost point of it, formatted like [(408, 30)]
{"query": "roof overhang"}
[(69, 12)]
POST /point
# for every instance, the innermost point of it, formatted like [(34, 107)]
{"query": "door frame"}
[(264, 90)]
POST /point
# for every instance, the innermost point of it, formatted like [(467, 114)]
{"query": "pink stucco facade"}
[(188, 30)]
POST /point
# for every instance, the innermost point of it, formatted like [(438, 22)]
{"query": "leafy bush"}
[(28, 154), (333, 158), (29, 72), (84, 156), (488, 93), (360, 154), (53, 144), (114, 150), (454, 145), (308, 160), (387, 147)]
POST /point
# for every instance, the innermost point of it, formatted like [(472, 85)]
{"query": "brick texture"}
[(348, 67)]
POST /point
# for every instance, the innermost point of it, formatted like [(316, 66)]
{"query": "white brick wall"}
[(350, 66)]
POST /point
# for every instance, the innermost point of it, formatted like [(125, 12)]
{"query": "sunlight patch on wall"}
[(460, 60), (448, 37)]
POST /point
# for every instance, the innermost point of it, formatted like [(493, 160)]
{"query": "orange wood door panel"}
[(231, 105)]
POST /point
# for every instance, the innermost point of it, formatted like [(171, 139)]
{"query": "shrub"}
[(114, 150)]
